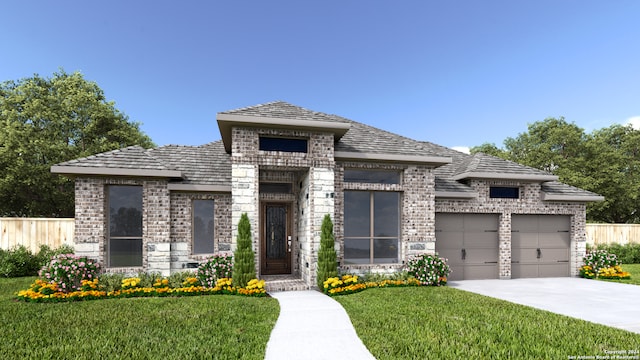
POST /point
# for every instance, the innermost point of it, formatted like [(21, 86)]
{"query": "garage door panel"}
[(526, 240), (480, 222), (453, 256), (524, 270), (481, 239), (450, 239), (554, 255), (477, 234), (479, 272), (554, 239), (481, 256), (540, 245), (554, 223), (554, 270), (449, 222)]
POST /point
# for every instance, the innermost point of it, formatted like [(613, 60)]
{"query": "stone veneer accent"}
[(91, 222), (182, 257), (530, 203)]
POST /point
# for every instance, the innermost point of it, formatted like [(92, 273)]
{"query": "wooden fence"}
[(33, 232), (613, 233)]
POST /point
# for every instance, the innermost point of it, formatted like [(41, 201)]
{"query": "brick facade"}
[(529, 203), (317, 188)]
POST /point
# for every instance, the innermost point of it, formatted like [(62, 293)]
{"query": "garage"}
[(470, 244), (540, 246)]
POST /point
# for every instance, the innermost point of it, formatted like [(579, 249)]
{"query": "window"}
[(371, 227), (283, 144), (496, 192), (124, 248), (275, 188), (372, 176), (203, 226)]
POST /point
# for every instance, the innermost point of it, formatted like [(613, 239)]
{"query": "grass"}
[(218, 327), (634, 269), (446, 323)]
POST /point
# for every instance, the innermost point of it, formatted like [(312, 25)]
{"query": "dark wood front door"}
[(276, 246)]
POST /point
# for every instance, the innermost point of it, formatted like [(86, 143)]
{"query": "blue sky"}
[(457, 73)]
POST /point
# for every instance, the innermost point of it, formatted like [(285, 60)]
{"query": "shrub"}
[(216, 267), (68, 271), (627, 254), (327, 265), (17, 262), (598, 259), (429, 269), (244, 268)]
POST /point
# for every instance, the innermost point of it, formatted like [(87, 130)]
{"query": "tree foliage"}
[(607, 162), (45, 121), (244, 268), (327, 265)]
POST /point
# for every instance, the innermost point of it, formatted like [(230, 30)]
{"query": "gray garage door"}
[(540, 245), (470, 243)]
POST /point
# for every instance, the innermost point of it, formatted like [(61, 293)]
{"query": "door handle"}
[(464, 254), (539, 253)]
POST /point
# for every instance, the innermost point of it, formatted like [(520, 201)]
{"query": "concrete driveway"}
[(584, 299)]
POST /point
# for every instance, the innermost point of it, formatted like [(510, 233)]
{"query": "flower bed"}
[(602, 265), (349, 284), (42, 291)]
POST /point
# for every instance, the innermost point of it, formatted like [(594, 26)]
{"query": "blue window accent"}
[(283, 144), (498, 192)]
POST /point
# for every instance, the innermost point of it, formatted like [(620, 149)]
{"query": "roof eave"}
[(572, 198), (504, 176), (399, 158), (200, 188), (456, 195), (106, 171), (227, 121)]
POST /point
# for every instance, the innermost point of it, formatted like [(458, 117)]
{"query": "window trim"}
[(193, 228), (109, 188), (372, 238)]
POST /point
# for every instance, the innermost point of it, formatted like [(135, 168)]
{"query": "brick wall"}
[(530, 202)]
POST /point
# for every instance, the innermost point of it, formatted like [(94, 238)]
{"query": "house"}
[(390, 197)]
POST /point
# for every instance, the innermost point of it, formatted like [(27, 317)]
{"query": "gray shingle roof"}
[(132, 157), (206, 164), (210, 164)]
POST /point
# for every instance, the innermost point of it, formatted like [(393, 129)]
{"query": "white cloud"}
[(634, 121), (467, 150)]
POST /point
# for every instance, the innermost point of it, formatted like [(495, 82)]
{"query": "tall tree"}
[(44, 121), (327, 265), (607, 162), (244, 268)]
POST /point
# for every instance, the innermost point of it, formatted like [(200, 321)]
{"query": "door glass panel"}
[(276, 232)]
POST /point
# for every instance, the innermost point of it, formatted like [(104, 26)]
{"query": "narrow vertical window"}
[(124, 247), (203, 227)]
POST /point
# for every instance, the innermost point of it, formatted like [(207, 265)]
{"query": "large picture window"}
[(124, 248), (203, 227), (371, 227)]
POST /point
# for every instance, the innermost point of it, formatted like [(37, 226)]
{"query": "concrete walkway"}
[(312, 325), (601, 302)]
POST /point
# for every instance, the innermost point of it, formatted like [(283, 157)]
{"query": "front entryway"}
[(276, 239)]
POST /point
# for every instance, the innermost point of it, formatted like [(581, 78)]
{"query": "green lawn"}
[(634, 269), (219, 326), (445, 323)]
